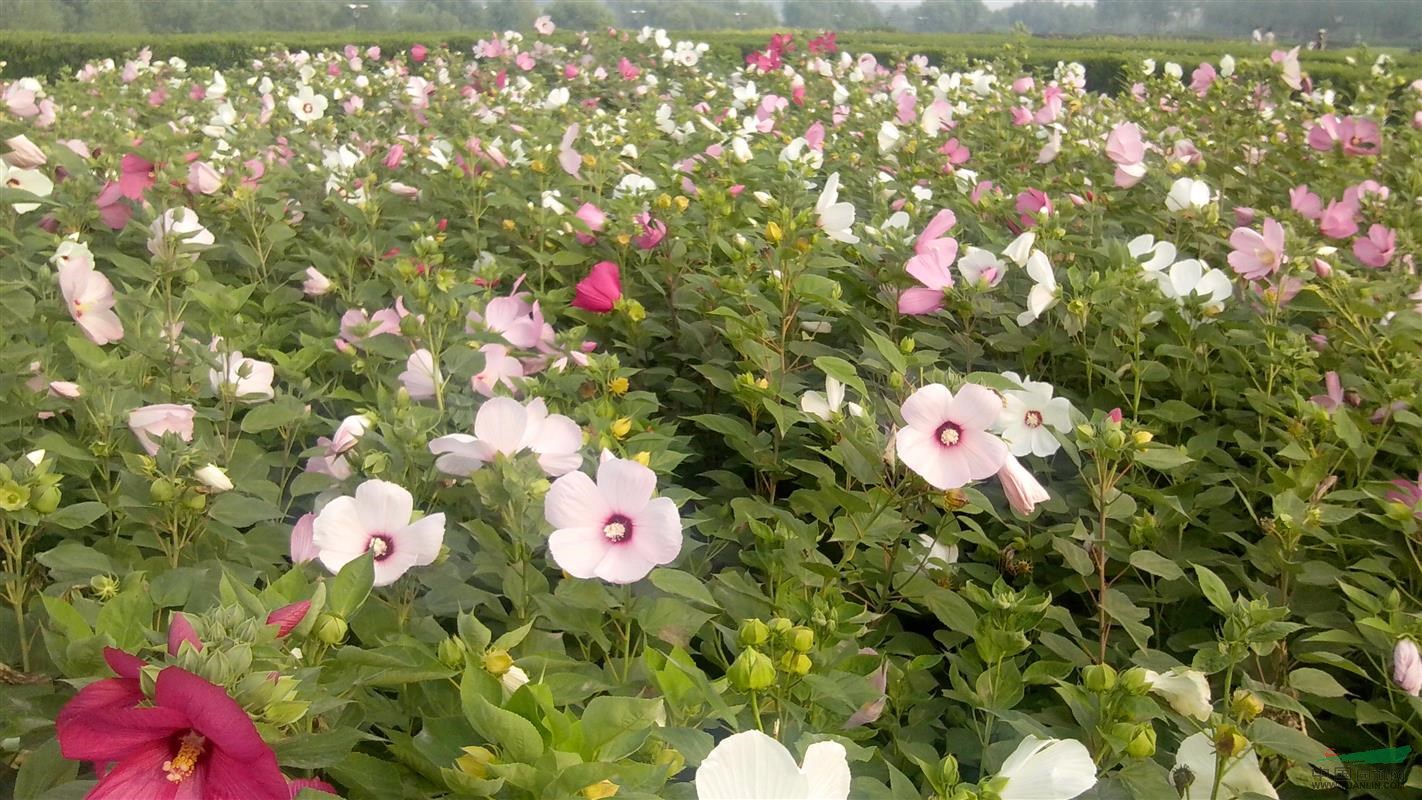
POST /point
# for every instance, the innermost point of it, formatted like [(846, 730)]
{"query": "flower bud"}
[(795, 663), (780, 625), (1229, 742), (801, 639), (948, 771), (452, 652), (1142, 438), (285, 713), (673, 760), (642, 457), (46, 500), (907, 345), (475, 761), (1099, 678), (773, 232), (753, 633), (1135, 681), (214, 478), (751, 671), (1115, 439), (497, 661), (161, 490), (621, 427), (331, 629), (601, 790), (1246, 705), (1085, 432), (1142, 745)]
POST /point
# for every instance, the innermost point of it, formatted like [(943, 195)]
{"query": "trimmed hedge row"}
[(1106, 58)]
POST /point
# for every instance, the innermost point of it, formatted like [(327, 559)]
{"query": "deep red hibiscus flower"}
[(193, 743), (600, 290)]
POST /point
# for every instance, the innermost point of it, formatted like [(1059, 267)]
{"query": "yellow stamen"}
[(182, 765)]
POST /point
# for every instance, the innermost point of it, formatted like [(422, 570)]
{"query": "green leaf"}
[(1163, 457), (515, 736), (1156, 564), (317, 750), (72, 562), (614, 727), (1285, 741), (268, 416), (44, 768), (243, 511), (77, 516), (842, 371), (1214, 588), (351, 586), (66, 619), (1316, 682), (682, 584)]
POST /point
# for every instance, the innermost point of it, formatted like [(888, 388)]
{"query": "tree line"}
[(1394, 22)]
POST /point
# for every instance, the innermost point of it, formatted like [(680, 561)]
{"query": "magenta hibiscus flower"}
[(193, 742), (946, 440)]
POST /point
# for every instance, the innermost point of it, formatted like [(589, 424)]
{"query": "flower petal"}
[(384, 507), (574, 502), (626, 485), (500, 423), (578, 551)]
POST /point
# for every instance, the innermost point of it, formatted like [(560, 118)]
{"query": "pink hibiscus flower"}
[(90, 299), (508, 427), (600, 290), (946, 438), (377, 520), (151, 423), (1377, 248), (1257, 255), (612, 529)]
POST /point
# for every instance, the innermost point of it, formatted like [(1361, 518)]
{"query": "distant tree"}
[(842, 15), (510, 15), (32, 15)]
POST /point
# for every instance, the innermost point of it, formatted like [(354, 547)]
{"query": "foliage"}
[(328, 265)]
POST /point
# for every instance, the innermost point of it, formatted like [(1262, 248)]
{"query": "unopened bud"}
[(331, 629), (753, 633), (1142, 745), (601, 790), (1099, 678), (475, 761), (452, 652), (801, 639), (751, 671), (1142, 438), (1134, 681)]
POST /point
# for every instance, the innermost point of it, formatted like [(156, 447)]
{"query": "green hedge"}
[(1105, 58)]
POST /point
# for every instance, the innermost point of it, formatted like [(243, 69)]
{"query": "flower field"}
[(572, 416)]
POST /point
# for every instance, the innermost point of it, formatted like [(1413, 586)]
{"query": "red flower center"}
[(618, 528), (949, 434), (1032, 419), (180, 767), (382, 545)]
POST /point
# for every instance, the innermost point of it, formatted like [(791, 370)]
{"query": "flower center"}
[(1032, 419), (949, 434), (181, 765), (381, 545), (617, 528), (308, 108)]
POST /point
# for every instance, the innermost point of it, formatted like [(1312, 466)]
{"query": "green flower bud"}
[(753, 633), (1085, 432), (751, 671), (161, 490), (907, 345), (672, 759), (801, 639), (452, 652), (195, 501), (46, 500), (1142, 745), (1099, 678), (796, 663), (780, 626), (896, 380), (1183, 777), (948, 771), (1134, 681), (475, 761), (1115, 439), (331, 629), (285, 713)]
